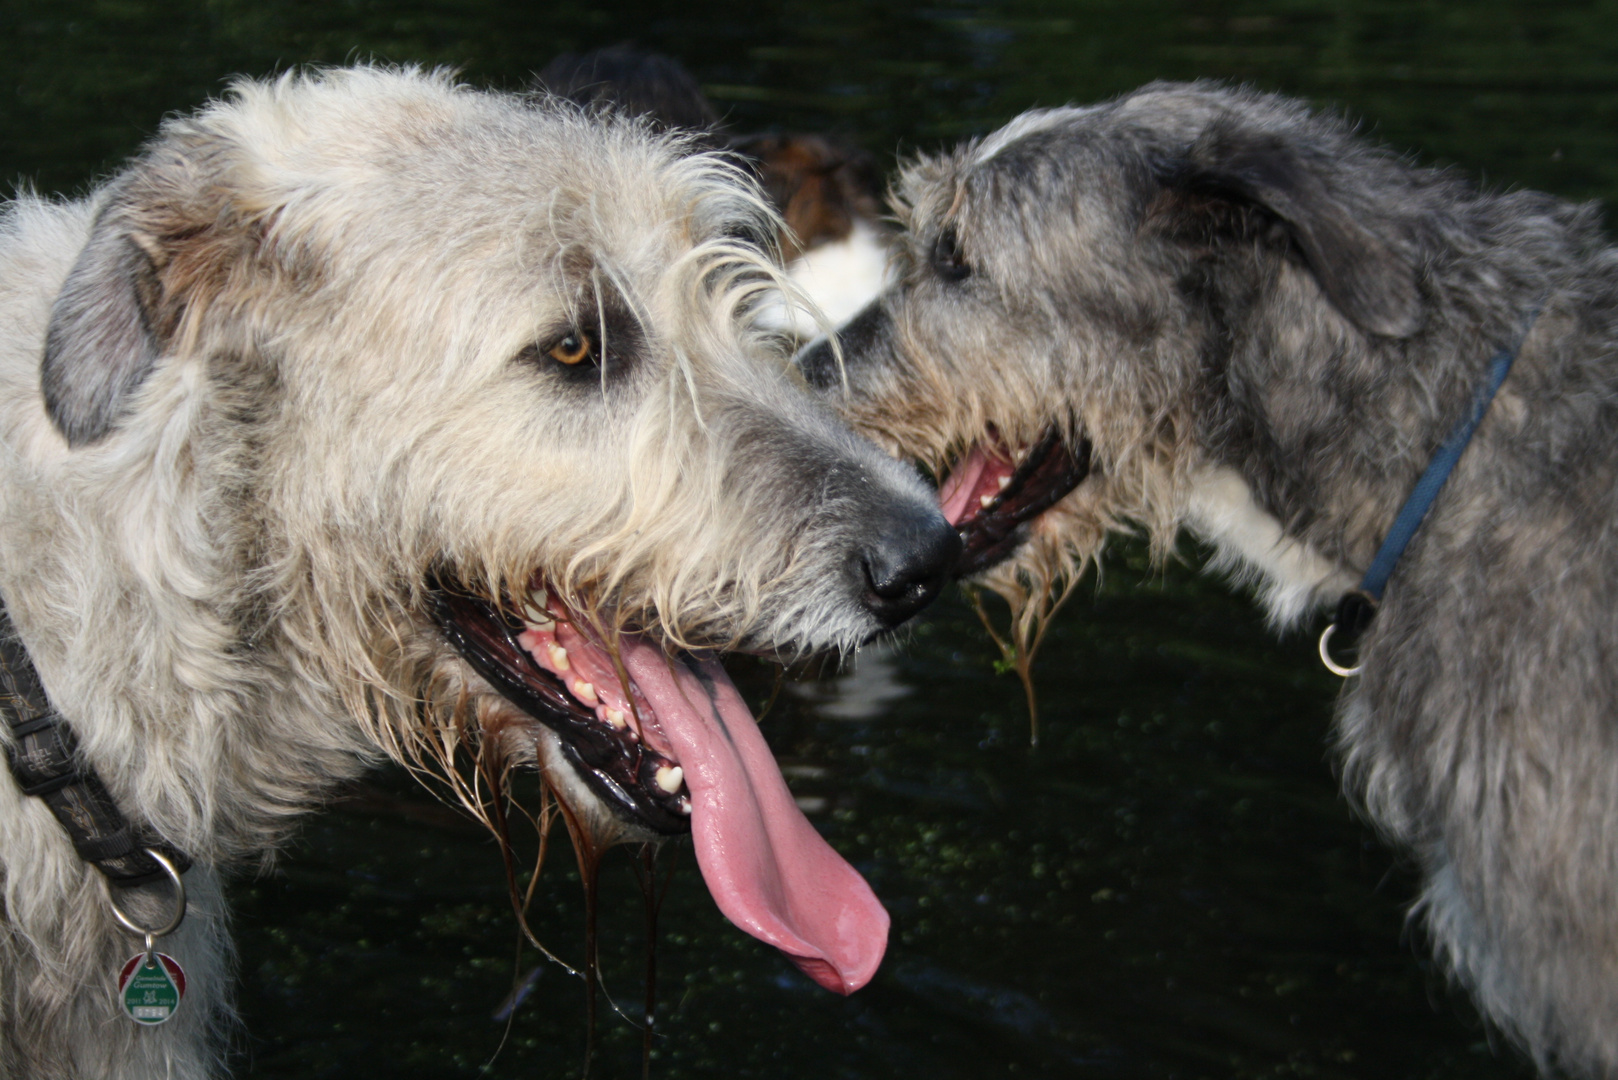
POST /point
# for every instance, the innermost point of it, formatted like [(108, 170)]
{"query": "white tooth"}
[(536, 618), (986, 501), (670, 777), (685, 805), (585, 692), (1004, 480), (540, 597), (615, 717), (559, 658)]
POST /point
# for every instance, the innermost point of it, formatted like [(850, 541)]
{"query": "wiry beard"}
[(1140, 462)]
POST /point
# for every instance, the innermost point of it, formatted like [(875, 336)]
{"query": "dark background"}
[(1520, 92), (1171, 885)]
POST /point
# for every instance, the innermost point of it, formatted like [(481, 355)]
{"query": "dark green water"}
[(1171, 885)]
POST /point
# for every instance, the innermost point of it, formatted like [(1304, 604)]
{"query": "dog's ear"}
[(101, 344), (152, 253), (1362, 272)]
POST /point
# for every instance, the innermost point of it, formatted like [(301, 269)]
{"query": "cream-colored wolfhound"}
[(368, 413)]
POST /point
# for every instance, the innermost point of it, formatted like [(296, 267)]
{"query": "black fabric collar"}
[(46, 763)]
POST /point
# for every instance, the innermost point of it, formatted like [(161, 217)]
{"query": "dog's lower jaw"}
[(995, 498), (1291, 577), (540, 747)]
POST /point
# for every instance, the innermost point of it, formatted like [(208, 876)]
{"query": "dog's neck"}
[(46, 763), (122, 567), (1292, 578)]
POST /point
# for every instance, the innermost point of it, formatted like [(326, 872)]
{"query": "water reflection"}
[(865, 689)]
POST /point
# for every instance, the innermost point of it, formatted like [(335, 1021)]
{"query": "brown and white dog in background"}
[(828, 192)]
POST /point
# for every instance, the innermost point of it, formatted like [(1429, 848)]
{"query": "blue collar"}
[(1357, 608)]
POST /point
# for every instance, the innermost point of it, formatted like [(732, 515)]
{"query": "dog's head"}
[(1071, 286), (467, 387)]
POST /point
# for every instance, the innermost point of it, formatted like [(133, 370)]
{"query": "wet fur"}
[(1266, 325), (289, 362)]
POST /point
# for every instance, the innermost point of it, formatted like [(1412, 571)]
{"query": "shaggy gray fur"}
[(1266, 326)]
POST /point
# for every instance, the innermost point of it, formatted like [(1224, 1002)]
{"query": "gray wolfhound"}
[(365, 413), (1214, 309)]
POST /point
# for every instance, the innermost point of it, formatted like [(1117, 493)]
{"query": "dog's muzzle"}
[(903, 570)]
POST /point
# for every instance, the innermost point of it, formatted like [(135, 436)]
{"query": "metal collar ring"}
[(179, 903), (1325, 656)]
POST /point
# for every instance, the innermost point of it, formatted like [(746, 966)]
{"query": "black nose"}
[(907, 564)]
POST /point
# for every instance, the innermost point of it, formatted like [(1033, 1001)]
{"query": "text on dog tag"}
[(151, 992)]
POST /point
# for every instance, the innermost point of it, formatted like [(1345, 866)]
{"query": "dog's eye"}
[(574, 349), (947, 257)]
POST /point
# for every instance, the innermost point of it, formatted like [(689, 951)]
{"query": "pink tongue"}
[(767, 867), (961, 484), (981, 473)]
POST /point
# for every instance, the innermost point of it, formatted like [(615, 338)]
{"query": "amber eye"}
[(573, 349)]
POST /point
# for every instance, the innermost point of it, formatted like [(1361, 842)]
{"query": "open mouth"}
[(665, 740), (993, 493), (529, 662)]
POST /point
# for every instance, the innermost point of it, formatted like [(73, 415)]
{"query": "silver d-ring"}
[(179, 903), (1325, 656)]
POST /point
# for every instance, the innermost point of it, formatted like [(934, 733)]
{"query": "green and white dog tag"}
[(150, 987)]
